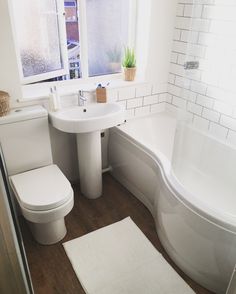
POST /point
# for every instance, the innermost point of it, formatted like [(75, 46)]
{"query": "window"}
[(59, 40)]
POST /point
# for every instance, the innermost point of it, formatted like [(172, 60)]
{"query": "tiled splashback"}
[(138, 99), (141, 99), (205, 31)]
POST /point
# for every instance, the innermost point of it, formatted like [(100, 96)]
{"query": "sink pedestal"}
[(90, 163), (87, 122)]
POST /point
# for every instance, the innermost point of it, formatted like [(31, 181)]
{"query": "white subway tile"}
[(143, 90), (183, 23), (174, 90), (123, 103), (171, 78), (193, 74), (159, 88), (193, 10), (205, 101), (160, 107), (162, 97), (194, 108), (198, 87), (182, 82), (179, 47), (152, 99), (189, 95), (180, 10), (209, 92), (207, 11), (228, 122), (177, 34), (210, 115), (169, 98), (203, 64), (181, 59), (218, 131), (200, 25), (133, 103), (204, 1), (179, 102), (177, 69), (196, 50), (223, 108), (174, 57), (126, 93), (188, 10), (189, 36), (187, 1)]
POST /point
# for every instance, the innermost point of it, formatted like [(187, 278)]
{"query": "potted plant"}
[(114, 56), (129, 64)]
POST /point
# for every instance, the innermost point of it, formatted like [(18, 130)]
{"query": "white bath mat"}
[(119, 259)]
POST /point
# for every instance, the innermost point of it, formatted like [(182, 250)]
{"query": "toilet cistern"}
[(44, 194)]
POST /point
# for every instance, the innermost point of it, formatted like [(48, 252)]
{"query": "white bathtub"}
[(188, 182)]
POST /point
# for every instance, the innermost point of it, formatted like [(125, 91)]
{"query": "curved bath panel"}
[(200, 239)]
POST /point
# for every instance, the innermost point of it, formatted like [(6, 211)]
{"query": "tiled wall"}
[(205, 30), (137, 98), (140, 99)]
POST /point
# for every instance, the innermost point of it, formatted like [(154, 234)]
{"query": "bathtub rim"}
[(180, 193)]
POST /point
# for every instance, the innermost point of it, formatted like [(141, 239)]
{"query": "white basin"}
[(90, 118), (87, 122)]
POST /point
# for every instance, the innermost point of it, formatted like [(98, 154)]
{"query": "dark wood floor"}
[(50, 268)]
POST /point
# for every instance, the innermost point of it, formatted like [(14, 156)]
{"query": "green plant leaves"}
[(129, 59)]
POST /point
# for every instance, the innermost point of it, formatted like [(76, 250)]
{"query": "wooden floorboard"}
[(50, 268)]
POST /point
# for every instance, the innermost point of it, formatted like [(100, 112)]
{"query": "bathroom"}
[(92, 160)]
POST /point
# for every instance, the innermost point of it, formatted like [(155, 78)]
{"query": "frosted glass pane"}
[(38, 36), (107, 25)]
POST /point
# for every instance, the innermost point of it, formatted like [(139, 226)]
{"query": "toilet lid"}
[(41, 189)]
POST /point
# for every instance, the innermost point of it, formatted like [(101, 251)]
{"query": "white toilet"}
[(43, 193)]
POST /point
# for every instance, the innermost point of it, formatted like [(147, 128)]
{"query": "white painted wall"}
[(162, 23), (9, 77)]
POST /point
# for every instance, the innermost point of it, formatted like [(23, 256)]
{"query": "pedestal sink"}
[(87, 122)]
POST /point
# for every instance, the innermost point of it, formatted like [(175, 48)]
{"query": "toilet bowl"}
[(45, 197), (43, 193)]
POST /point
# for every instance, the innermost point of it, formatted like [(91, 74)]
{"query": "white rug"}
[(119, 259)]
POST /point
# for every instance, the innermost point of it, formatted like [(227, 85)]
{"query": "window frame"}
[(82, 16), (63, 48), (81, 13)]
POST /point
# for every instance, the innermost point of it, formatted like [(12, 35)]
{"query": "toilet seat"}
[(47, 216), (41, 189)]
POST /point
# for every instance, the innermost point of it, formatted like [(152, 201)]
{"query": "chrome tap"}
[(81, 98)]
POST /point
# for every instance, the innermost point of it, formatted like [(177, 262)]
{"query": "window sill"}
[(41, 91)]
